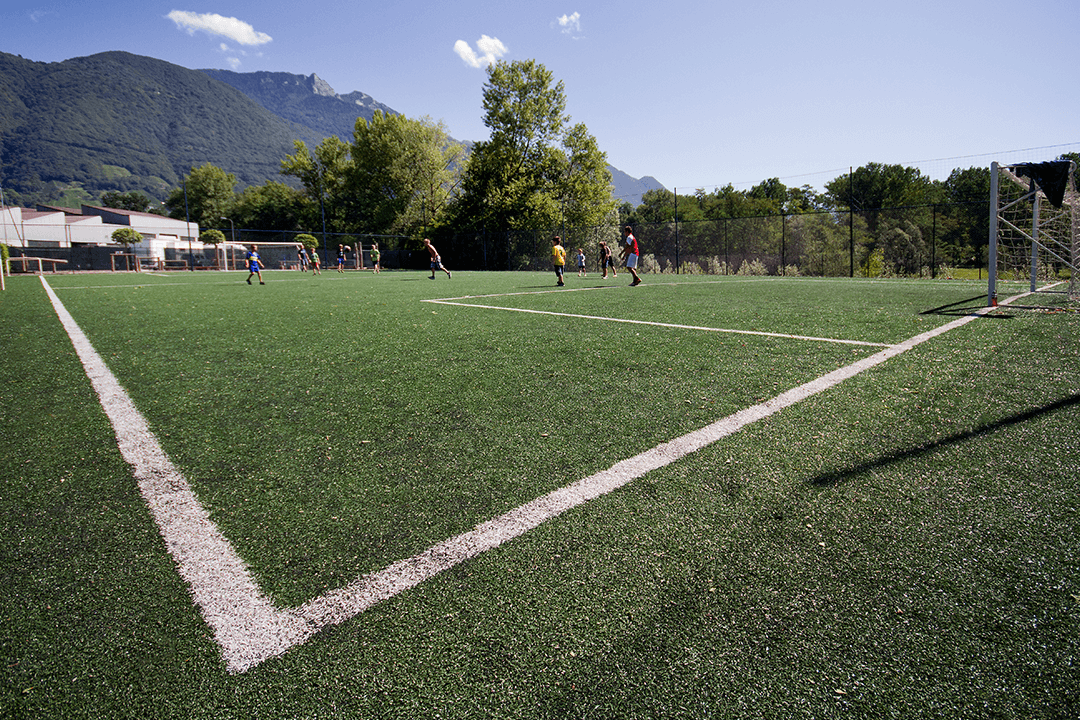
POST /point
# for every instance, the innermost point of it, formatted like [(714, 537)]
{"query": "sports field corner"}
[(691, 498)]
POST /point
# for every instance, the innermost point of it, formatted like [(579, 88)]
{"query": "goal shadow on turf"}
[(963, 307), (836, 477)]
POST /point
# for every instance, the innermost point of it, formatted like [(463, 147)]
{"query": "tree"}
[(402, 175), (273, 206), (308, 241), (533, 172), (585, 185), (204, 197), (126, 236), (875, 186), (322, 173), (965, 223), (134, 201), (214, 237)]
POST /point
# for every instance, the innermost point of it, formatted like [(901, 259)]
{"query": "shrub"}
[(213, 236), (648, 264), (126, 236), (307, 241), (716, 266), (756, 267)]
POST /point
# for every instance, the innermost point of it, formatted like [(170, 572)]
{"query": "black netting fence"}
[(911, 241)]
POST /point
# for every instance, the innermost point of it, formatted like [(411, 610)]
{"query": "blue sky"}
[(696, 94)]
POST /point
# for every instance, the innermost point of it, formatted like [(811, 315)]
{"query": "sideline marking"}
[(245, 623), (451, 301)]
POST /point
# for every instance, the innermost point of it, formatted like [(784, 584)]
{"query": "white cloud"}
[(231, 28), (491, 49), (234, 63), (570, 24)]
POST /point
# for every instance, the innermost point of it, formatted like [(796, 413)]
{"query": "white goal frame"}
[(1054, 231)]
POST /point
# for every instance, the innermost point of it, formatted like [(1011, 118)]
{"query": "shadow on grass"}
[(836, 477), (963, 307)]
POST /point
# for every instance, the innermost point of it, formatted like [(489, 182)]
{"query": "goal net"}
[(1033, 225)]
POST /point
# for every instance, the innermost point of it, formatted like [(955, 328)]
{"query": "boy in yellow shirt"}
[(558, 257)]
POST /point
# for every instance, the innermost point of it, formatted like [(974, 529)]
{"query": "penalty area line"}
[(249, 629), (730, 331)]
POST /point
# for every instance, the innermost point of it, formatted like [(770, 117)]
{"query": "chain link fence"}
[(911, 241)]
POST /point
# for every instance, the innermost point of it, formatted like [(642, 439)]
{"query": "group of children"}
[(629, 253), (558, 258), (307, 259)]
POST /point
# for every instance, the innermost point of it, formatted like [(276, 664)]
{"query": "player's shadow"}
[(835, 477), (964, 307)]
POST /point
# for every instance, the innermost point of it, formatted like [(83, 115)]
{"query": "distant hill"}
[(71, 130)]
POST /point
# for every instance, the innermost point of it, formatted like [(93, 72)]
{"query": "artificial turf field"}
[(902, 543)]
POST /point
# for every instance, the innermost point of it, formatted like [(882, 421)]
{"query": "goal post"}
[(1033, 224)]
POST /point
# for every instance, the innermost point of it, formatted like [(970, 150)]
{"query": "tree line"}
[(881, 219), (538, 171)]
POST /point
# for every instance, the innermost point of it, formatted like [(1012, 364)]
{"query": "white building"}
[(56, 227)]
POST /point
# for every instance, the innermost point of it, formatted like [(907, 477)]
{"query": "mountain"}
[(629, 189), (71, 130), (117, 121), (304, 99)]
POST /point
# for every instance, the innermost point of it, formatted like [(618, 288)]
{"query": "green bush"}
[(213, 236), (126, 236), (307, 241)]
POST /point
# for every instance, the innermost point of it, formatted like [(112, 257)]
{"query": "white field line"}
[(449, 301), (246, 625)]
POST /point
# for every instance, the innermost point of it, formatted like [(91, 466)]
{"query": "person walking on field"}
[(606, 260), (436, 261), (341, 258), (581, 263), (254, 264), (301, 256), (375, 257), (558, 258), (630, 252), (316, 263)]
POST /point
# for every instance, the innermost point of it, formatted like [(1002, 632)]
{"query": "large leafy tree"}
[(273, 206), (206, 194), (402, 173), (134, 201), (964, 223), (535, 171), (875, 186), (322, 174)]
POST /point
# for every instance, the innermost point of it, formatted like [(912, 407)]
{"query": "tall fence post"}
[(991, 292)]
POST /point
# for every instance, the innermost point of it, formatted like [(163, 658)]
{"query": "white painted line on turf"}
[(661, 324), (246, 625)]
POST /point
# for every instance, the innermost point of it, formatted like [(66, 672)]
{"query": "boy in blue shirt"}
[(254, 265)]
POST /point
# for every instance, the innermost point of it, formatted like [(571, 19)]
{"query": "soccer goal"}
[(274, 255), (1033, 224)]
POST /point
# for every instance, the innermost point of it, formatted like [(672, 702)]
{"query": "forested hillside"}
[(116, 121)]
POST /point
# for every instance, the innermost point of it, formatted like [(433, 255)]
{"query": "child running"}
[(436, 261), (254, 265)]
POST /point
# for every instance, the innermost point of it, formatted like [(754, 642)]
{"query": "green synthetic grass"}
[(902, 545)]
